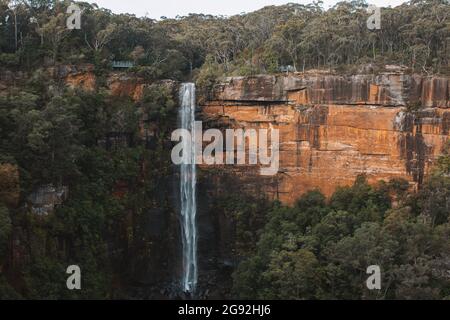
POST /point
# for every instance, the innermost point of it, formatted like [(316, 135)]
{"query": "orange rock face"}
[(75, 76), (83, 77), (85, 81), (334, 128)]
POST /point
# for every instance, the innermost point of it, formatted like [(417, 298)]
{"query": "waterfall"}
[(188, 180)]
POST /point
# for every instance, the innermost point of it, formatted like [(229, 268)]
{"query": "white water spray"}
[(188, 180)]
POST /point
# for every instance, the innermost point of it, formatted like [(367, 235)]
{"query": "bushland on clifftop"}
[(414, 34)]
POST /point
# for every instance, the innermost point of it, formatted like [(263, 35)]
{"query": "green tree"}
[(5, 231), (292, 275)]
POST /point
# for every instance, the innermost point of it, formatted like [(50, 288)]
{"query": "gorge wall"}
[(334, 128)]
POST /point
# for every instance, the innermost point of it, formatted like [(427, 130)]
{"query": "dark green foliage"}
[(63, 137), (158, 103), (249, 215), (433, 202), (207, 77), (319, 250), (6, 291), (5, 231)]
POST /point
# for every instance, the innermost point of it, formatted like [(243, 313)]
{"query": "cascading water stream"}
[(188, 180)]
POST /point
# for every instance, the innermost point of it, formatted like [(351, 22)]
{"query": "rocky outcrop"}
[(123, 85), (119, 84), (44, 200), (334, 128)]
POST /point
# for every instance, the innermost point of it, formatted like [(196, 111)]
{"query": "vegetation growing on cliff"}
[(91, 144), (321, 250)]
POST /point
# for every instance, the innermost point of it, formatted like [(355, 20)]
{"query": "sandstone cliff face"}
[(334, 128), (83, 77), (386, 89), (121, 85)]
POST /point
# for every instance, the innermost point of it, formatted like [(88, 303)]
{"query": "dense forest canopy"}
[(415, 34)]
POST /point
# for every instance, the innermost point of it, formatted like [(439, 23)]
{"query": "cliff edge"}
[(334, 128)]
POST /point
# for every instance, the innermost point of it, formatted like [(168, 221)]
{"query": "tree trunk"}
[(15, 28)]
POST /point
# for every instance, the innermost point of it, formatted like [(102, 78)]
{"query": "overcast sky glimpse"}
[(171, 8)]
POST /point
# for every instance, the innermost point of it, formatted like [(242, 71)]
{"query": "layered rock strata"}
[(334, 128)]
